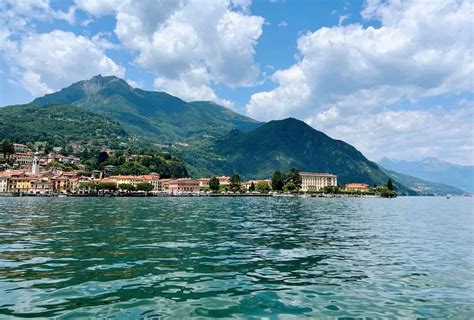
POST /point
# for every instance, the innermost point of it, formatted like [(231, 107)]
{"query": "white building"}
[(3, 184), (21, 148), (312, 181), (35, 167)]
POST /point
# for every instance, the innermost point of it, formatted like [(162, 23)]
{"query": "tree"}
[(102, 156), (295, 177), (144, 186), (7, 148), (252, 187), (390, 184), (290, 186), (235, 183), (126, 187), (262, 187), (277, 181), (111, 186), (214, 184)]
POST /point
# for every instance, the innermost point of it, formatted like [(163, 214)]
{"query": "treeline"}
[(136, 162)]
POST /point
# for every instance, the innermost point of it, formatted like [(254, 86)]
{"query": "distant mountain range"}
[(435, 170), (210, 138), (423, 187)]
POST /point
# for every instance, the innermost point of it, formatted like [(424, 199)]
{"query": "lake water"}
[(236, 257)]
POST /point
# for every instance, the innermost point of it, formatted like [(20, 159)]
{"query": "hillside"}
[(432, 169), (157, 115), (55, 124), (282, 145), (423, 187)]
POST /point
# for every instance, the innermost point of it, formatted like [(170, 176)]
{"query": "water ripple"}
[(236, 258)]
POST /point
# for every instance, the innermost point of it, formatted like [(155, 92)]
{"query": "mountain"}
[(435, 170), (55, 124), (211, 139), (285, 144), (157, 115), (423, 187)]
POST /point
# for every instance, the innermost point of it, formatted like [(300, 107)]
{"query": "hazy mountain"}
[(432, 169), (156, 115), (424, 187)]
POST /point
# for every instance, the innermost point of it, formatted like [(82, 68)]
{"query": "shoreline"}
[(186, 195)]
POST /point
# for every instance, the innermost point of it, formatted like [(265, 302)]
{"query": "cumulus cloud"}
[(405, 134), (179, 39), (21, 13), (46, 62), (418, 51)]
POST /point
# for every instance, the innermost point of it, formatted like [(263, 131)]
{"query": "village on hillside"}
[(27, 172)]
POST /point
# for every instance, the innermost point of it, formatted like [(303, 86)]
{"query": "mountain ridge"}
[(156, 114), (434, 170)]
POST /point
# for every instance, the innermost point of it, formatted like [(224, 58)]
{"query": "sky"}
[(393, 78)]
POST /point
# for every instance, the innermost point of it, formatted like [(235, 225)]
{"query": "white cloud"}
[(419, 50), (191, 86), (179, 39), (283, 24), (28, 10), (405, 134), (343, 18), (46, 62), (98, 7)]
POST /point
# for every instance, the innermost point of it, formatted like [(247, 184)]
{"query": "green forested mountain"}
[(55, 124), (157, 115), (291, 143), (282, 145)]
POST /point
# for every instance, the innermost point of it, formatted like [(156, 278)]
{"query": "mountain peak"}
[(99, 82)]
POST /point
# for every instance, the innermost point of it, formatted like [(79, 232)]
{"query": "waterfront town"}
[(33, 175)]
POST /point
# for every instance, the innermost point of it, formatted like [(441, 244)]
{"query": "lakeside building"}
[(152, 178), (183, 185), (203, 183), (3, 184), (312, 181), (224, 180), (246, 184), (356, 187)]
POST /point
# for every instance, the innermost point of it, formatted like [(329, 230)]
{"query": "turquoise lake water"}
[(252, 258)]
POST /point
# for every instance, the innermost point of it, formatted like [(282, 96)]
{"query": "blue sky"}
[(393, 78)]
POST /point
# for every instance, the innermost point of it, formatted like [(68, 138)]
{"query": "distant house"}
[(22, 148), (356, 187), (312, 181), (224, 180), (183, 185), (247, 184), (23, 158), (3, 184), (203, 183)]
